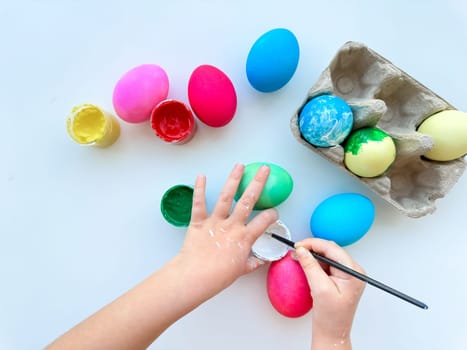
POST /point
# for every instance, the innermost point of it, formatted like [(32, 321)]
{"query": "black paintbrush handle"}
[(356, 274)]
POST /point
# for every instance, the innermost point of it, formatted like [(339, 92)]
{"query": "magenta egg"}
[(212, 96), (288, 289), (138, 91)]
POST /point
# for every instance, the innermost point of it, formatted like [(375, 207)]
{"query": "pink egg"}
[(212, 96), (138, 91), (287, 287)]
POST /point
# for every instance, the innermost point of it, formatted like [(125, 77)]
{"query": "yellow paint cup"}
[(89, 125)]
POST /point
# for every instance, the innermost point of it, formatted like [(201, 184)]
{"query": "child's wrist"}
[(321, 342), (193, 278), (333, 339)]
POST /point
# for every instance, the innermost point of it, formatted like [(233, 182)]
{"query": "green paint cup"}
[(176, 205)]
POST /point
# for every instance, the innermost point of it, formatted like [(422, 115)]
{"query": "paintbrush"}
[(354, 273)]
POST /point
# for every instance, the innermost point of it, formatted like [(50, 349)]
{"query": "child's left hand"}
[(217, 246)]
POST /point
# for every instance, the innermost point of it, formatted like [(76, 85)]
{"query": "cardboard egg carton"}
[(382, 95)]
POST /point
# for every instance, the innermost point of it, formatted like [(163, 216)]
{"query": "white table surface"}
[(79, 226)]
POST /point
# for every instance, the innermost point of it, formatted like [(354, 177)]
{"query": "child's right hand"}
[(335, 293)]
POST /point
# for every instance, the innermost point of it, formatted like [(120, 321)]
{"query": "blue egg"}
[(343, 218), (272, 60), (325, 121)]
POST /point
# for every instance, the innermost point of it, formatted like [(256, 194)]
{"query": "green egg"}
[(277, 189)]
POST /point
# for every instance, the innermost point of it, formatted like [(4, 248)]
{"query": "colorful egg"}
[(449, 132), (138, 91), (325, 121), (212, 96), (369, 152), (272, 60), (343, 218), (277, 189), (287, 287)]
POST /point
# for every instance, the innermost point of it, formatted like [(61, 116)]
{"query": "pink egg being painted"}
[(138, 91), (288, 289), (212, 96)]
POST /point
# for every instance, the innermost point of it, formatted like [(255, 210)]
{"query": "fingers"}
[(332, 251), (198, 210), (260, 223), (315, 275), (226, 197), (247, 201)]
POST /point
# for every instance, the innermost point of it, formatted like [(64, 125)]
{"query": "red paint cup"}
[(173, 121)]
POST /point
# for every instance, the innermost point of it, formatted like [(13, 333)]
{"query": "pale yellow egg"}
[(449, 132)]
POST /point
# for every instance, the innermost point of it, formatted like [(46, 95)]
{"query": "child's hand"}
[(217, 245), (335, 293)]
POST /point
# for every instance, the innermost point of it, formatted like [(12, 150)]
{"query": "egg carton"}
[(382, 95)]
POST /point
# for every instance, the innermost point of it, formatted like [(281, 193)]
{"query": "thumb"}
[(315, 275)]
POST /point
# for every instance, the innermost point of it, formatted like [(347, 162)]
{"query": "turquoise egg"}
[(277, 189), (272, 60), (343, 218), (325, 121)]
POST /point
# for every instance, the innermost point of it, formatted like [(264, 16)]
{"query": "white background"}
[(79, 226)]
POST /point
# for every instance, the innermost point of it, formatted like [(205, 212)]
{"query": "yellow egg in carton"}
[(383, 96)]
